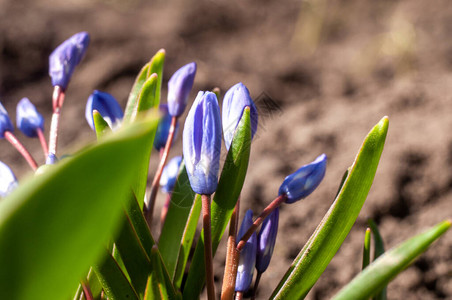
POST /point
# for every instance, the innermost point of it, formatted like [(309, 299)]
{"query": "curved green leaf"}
[(55, 225), (224, 200), (336, 224), (100, 125), (378, 274), (176, 219)]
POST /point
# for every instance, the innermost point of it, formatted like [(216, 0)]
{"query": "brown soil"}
[(333, 68)]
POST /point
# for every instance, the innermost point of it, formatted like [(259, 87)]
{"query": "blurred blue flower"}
[(107, 106), (66, 57), (161, 135), (234, 102), (179, 87), (5, 122), (169, 174), (28, 119), (304, 181), (8, 181), (266, 240), (247, 255), (202, 143)]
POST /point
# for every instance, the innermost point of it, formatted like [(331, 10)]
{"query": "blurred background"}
[(323, 72)]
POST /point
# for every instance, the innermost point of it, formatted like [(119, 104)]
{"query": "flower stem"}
[(165, 210), (268, 210), (208, 246), (256, 285), (57, 100), (229, 277), (149, 208), (87, 291), (239, 295), (43, 142), (10, 137)]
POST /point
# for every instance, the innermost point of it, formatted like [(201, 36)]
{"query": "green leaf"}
[(366, 249), (154, 66), (379, 249), (114, 282), (147, 98), (187, 241), (224, 200), (176, 219), (336, 224), (100, 125), (55, 225), (378, 274)]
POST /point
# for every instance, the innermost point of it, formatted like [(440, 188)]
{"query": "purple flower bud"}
[(234, 102), (5, 122), (179, 87), (107, 106), (169, 174), (28, 120), (247, 255), (51, 159), (161, 135), (202, 143), (8, 181), (66, 57), (266, 240), (304, 181)]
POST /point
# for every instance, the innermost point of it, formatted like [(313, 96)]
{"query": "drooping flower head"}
[(179, 87), (107, 106), (234, 102), (304, 181), (202, 143), (5, 122), (28, 119), (169, 174), (266, 240), (8, 181), (66, 57), (247, 255), (161, 135)]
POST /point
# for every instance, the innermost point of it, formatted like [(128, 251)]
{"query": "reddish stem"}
[(165, 209), (268, 210), (87, 291), (229, 277), (239, 296), (43, 142), (149, 209), (208, 246), (57, 100), (10, 137)]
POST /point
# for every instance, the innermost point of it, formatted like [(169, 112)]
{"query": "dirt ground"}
[(333, 69)]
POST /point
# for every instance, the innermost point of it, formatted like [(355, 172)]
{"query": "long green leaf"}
[(336, 224), (176, 219), (155, 65), (113, 281), (386, 267), (379, 249), (187, 241), (228, 191), (55, 225)]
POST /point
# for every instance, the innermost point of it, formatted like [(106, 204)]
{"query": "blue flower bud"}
[(247, 255), (28, 120), (5, 122), (266, 240), (179, 87), (161, 135), (107, 106), (169, 174), (8, 181), (66, 57), (234, 102), (304, 181), (202, 143), (51, 159)]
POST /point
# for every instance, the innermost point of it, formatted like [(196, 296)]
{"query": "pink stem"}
[(10, 137)]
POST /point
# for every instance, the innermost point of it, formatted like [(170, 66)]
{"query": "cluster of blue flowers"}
[(201, 143)]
